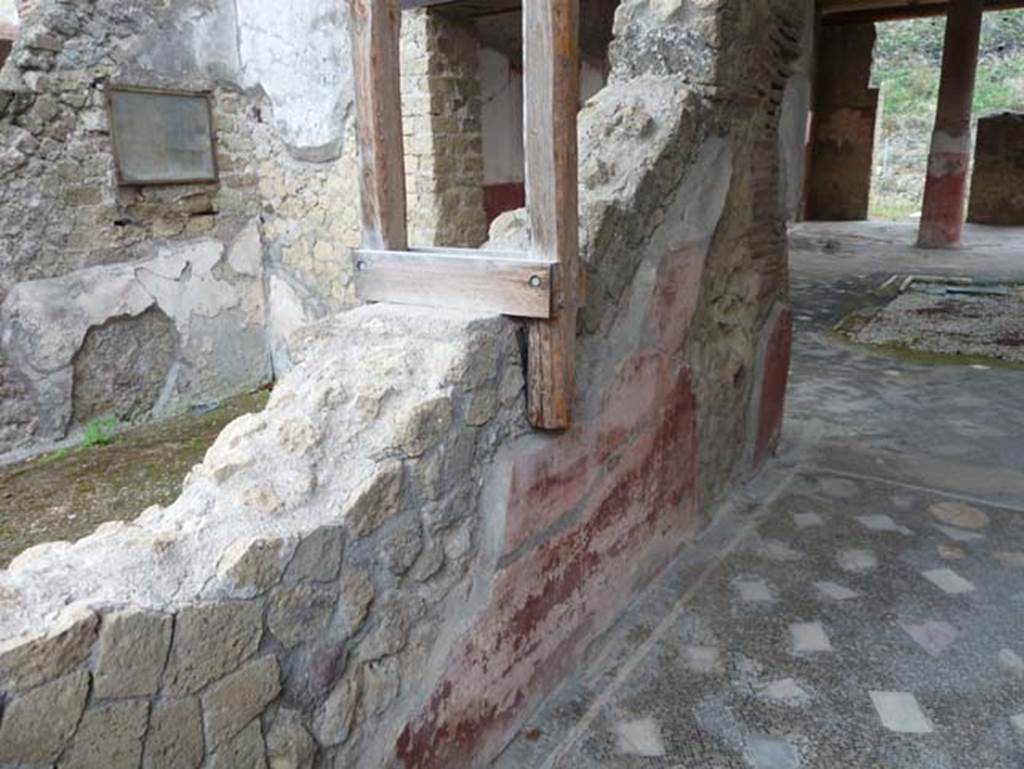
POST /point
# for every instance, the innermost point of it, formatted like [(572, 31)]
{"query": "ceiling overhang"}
[(868, 11)]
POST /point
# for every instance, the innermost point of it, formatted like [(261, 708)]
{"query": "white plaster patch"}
[(807, 520), (948, 581), (882, 523), (809, 638), (778, 550), (787, 691), (772, 753), (834, 591), (702, 659), (754, 591), (1011, 662), (1018, 722), (856, 560), (959, 535), (640, 738), (301, 60), (900, 712), (902, 501), (933, 636)]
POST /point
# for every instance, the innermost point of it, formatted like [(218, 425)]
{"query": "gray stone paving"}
[(861, 605)]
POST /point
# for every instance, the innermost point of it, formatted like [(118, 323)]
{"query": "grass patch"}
[(99, 432)]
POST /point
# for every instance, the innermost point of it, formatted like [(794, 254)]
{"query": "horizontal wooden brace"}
[(504, 282)]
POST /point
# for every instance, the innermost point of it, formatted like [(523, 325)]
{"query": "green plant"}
[(99, 432)]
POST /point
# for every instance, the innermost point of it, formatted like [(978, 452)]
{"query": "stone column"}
[(945, 192)]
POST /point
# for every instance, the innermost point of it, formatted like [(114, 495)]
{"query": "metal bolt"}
[(535, 281), (360, 265)]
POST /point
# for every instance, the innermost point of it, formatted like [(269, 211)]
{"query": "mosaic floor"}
[(861, 605)]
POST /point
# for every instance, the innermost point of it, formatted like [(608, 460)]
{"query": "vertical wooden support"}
[(551, 86), (374, 28)]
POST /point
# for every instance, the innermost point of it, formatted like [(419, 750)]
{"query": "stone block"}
[(109, 737), (401, 549), (237, 699), (289, 745), (333, 720), (299, 613), (252, 565), (356, 595), (132, 651), (246, 751), (376, 501), (317, 557), (37, 725), (26, 662), (427, 425), (210, 641), (175, 736)]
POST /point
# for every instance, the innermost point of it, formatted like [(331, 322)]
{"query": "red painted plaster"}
[(554, 598), (942, 217), (773, 388), (499, 198), (675, 298)]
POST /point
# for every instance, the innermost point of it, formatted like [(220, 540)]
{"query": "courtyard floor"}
[(861, 603)]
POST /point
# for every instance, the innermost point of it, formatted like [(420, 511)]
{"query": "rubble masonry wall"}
[(387, 567)]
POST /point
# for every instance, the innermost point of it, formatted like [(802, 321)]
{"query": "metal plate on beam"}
[(486, 281)]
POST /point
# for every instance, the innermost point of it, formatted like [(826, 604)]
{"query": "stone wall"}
[(287, 197), (997, 184), (281, 94), (287, 609), (441, 123), (387, 567), (846, 110)]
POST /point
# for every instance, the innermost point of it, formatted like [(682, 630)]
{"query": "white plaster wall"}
[(8, 11), (296, 51), (299, 52), (501, 94)]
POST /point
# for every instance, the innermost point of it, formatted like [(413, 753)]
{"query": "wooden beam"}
[(374, 28), (551, 88), (488, 281), (893, 11)]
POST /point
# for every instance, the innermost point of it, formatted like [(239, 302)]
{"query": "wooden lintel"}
[(501, 282), (850, 13), (551, 88), (374, 29)]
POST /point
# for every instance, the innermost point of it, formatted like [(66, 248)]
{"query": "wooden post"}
[(374, 30), (551, 87)]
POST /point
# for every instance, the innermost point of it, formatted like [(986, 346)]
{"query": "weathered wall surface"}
[(387, 567), (442, 127), (287, 189), (997, 184), (282, 105), (843, 134), (302, 582)]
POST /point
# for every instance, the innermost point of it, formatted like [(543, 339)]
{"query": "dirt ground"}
[(66, 495)]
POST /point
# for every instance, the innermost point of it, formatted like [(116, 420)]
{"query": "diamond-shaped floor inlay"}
[(900, 712)]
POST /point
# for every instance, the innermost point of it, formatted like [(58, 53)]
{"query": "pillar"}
[(843, 126), (945, 192), (997, 182)]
